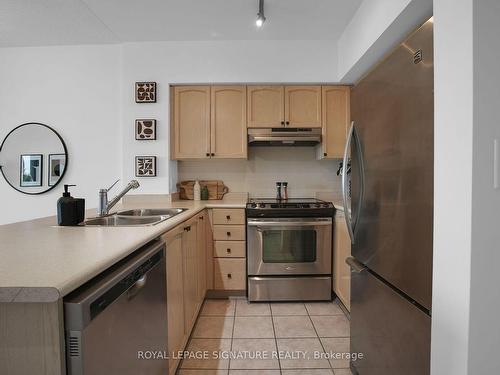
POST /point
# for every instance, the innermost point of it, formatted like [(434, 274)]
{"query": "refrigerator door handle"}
[(344, 183), (355, 265)]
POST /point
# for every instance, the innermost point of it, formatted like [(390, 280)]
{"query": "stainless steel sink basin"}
[(141, 212), (125, 221)]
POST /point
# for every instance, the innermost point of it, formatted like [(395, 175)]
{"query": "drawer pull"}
[(229, 276), (228, 234), (228, 251), (228, 217), (187, 229), (201, 218)]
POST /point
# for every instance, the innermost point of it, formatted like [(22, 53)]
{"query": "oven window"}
[(289, 246)]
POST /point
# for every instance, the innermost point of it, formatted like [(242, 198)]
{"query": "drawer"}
[(229, 232), (229, 216), (229, 274), (229, 249)]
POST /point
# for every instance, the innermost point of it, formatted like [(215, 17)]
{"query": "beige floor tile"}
[(245, 308), (304, 350), (337, 346), (206, 347), (288, 308), (323, 308), (218, 307), (201, 372), (254, 372), (343, 371), (257, 354), (214, 327), (293, 326), (331, 325), (322, 371), (253, 327)]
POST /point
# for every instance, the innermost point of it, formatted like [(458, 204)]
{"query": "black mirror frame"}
[(65, 153)]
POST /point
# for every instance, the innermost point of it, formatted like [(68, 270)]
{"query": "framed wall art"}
[(145, 166), (145, 130), (145, 92), (57, 163), (31, 170)]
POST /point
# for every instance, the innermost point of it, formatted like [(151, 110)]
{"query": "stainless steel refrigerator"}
[(391, 145)]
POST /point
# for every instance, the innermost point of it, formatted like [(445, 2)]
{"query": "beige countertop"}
[(41, 262)]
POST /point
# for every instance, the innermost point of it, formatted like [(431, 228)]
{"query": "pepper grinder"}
[(285, 190), (278, 191)]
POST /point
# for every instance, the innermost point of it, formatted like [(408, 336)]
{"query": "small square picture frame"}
[(57, 164), (145, 129), (145, 92), (145, 166), (31, 170)]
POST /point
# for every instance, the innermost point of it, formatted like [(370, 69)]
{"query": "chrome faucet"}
[(105, 205)]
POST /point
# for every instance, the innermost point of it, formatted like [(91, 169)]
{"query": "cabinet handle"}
[(187, 229), (282, 123), (212, 154), (228, 217), (228, 234), (201, 218), (208, 154), (325, 154), (287, 123), (228, 251), (229, 276)]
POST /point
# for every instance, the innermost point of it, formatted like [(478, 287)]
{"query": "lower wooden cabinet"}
[(341, 251), (229, 274)]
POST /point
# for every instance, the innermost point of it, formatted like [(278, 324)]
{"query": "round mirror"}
[(33, 158)]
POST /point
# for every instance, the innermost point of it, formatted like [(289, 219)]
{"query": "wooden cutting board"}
[(216, 189)]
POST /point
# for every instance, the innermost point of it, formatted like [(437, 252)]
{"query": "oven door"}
[(289, 246)]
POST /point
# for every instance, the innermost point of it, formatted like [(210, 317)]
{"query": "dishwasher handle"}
[(137, 287)]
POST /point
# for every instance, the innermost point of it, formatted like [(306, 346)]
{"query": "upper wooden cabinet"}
[(208, 122), (228, 122), (191, 122), (303, 106), (336, 118), (265, 106)]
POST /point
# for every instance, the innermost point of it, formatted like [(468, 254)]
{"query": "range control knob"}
[(253, 205), (262, 205), (317, 205)]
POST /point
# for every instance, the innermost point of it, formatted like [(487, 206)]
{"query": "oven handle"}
[(288, 223)]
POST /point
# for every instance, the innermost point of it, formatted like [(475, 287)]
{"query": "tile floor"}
[(268, 339)]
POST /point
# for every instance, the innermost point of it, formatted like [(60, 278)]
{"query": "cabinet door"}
[(175, 295), (228, 124), (265, 106), (341, 271), (336, 119), (191, 130), (201, 257), (303, 106), (190, 267)]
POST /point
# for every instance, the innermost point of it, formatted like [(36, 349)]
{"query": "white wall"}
[(376, 28), (484, 330), (76, 91), (265, 166), (206, 62)]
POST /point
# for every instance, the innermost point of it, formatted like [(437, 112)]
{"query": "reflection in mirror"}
[(33, 158)]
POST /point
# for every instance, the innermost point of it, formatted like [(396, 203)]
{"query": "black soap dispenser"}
[(70, 211)]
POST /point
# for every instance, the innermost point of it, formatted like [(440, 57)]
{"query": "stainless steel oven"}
[(289, 246)]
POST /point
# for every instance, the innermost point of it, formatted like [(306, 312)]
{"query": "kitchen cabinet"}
[(303, 106), (201, 256), (336, 118), (341, 251), (265, 106), (230, 274), (208, 122), (190, 133), (190, 277), (177, 335), (228, 127)]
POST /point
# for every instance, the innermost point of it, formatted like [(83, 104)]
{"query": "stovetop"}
[(294, 207)]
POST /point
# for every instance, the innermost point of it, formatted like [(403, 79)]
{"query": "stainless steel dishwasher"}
[(117, 322)]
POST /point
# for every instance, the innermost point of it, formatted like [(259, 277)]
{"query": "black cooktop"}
[(293, 207)]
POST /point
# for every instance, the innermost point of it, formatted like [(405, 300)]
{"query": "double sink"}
[(135, 218)]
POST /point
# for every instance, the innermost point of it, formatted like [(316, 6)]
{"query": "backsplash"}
[(265, 165)]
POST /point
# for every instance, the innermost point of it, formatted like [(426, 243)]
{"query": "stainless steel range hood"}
[(284, 137)]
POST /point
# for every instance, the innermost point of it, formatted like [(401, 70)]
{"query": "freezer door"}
[(393, 334), (392, 157)]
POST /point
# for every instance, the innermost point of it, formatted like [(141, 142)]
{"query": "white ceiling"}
[(60, 22)]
